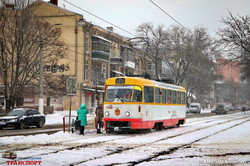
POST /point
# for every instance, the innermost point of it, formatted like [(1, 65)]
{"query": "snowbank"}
[(57, 117)]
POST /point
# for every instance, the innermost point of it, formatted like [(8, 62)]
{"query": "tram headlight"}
[(107, 113), (127, 113)]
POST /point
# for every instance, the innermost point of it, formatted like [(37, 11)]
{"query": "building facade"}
[(231, 89), (94, 54)]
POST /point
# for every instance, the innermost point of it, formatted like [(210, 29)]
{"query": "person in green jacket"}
[(82, 116)]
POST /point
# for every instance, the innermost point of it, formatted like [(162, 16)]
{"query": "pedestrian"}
[(244, 109), (127, 95), (99, 117), (82, 116)]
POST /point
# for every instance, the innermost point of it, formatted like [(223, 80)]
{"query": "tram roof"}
[(143, 81)]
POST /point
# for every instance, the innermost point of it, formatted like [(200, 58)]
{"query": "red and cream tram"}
[(133, 103)]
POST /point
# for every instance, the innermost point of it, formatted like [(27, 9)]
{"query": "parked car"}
[(238, 107), (213, 110), (195, 108), (231, 108), (221, 108), (21, 118)]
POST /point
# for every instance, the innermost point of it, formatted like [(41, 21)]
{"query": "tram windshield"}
[(123, 93)]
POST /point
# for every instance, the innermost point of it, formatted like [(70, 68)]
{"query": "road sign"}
[(71, 86)]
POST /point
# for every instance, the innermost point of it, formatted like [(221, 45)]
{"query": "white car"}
[(195, 108)]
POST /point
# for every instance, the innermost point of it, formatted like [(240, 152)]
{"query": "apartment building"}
[(93, 55), (230, 89)]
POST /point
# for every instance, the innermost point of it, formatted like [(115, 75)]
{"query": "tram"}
[(133, 103)]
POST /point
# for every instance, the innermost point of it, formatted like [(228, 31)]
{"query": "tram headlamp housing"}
[(107, 113), (127, 113)]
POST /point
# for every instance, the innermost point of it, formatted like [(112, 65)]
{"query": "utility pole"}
[(1, 42), (41, 77)]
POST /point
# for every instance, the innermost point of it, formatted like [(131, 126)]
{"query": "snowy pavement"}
[(214, 140), (57, 117)]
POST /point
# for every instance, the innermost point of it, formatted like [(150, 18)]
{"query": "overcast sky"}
[(129, 14)]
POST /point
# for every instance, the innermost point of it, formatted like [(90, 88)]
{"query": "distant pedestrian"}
[(244, 109), (99, 117), (82, 116)]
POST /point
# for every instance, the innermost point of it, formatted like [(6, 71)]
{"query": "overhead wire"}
[(110, 24), (170, 16), (100, 18), (120, 27)]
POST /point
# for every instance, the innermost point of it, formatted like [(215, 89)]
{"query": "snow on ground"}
[(206, 148), (226, 148), (57, 117)]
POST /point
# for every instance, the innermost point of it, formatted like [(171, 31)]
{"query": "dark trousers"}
[(82, 128), (99, 126)]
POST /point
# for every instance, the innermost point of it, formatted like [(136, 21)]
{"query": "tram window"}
[(174, 97), (178, 97), (163, 95), (169, 96), (137, 97), (121, 93), (148, 94), (183, 97), (127, 94), (157, 95)]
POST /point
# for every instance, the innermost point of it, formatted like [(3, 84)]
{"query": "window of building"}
[(150, 66), (99, 44), (92, 100), (99, 75), (86, 69), (86, 43)]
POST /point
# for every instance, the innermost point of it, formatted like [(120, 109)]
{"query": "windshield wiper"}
[(119, 98)]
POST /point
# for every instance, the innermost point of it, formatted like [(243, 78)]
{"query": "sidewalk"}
[(55, 120)]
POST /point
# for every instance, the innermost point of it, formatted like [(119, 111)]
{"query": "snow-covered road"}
[(210, 140)]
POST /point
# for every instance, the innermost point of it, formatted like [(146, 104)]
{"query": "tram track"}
[(210, 118), (188, 145), (74, 145), (170, 150), (19, 147)]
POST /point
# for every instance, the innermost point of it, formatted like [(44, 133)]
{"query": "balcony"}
[(100, 56), (100, 49), (128, 55)]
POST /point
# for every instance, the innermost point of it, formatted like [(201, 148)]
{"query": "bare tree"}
[(178, 52), (236, 36), (22, 36), (202, 74), (154, 40), (189, 55)]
